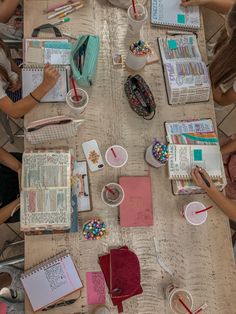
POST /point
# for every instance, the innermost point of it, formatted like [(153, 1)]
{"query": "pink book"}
[(136, 209)]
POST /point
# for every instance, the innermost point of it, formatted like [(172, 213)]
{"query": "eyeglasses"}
[(60, 304)]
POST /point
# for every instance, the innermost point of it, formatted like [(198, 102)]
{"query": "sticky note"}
[(172, 44), (197, 154), (95, 288), (181, 18), (190, 40)]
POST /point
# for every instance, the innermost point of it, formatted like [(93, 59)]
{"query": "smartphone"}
[(93, 155)]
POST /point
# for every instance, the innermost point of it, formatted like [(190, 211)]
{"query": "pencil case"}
[(84, 56)]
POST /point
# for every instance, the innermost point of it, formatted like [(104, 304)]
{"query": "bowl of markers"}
[(137, 55), (94, 229), (157, 154)]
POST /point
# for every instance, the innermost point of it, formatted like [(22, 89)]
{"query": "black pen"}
[(204, 178)]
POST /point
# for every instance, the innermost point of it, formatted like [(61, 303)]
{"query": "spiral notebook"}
[(170, 13), (183, 158), (32, 76), (51, 280)]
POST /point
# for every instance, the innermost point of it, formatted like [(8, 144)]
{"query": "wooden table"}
[(200, 258)]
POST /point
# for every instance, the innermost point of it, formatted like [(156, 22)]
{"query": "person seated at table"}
[(7, 9), (10, 79), (226, 203), (223, 66), (10, 168)]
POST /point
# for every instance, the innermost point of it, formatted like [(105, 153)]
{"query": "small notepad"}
[(51, 280), (136, 209), (183, 158)]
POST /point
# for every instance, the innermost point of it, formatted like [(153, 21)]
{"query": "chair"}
[(233, 227)]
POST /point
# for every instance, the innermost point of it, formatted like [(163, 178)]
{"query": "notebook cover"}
[(136, 209)]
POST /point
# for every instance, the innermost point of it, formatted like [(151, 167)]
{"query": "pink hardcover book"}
[(136, 209)]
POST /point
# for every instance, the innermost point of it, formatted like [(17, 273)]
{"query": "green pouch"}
[(84, 56)]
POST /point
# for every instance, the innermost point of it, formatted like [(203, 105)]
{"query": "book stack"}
[(185, 73), (46, 191)]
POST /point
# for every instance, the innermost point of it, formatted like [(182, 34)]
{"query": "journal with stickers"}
[(186, 75), (37, 53)]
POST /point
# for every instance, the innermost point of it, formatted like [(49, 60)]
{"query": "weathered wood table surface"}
[(200, 258)]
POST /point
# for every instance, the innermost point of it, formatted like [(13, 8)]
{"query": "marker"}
[(71, 11), (66, 19), (60, 12)]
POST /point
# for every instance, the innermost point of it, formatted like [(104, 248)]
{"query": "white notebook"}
[(51, 280), (171, 14), (32, 76), (183, 158)]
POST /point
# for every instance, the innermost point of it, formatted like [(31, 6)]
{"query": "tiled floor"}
[(225, 119)]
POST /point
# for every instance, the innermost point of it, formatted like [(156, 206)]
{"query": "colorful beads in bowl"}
[(94, 229)]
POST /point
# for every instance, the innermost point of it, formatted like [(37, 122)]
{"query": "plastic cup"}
[(135, 62), (112, 199), (135, 25), (151, 160), (116, 156), (173, 293), (77, 106), (189, 213)]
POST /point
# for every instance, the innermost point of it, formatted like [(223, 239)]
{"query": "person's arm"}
[(9, 161), (7, 9), (229, 147), (15, 68), (21, 107), (8, 210), (220, 6), (227, 205)]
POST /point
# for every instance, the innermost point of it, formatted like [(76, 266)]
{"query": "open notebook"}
[(171, 14), (51, 280), (185, 157), (186, 75), (32, 77), (46, 191)]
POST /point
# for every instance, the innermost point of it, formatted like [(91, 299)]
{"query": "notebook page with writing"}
[(171, 14), (51, 281), (183, 158), (33, 77)]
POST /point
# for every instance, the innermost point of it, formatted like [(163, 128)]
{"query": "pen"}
[(203, 177), (60, 12), (71, 11), (66, 19)]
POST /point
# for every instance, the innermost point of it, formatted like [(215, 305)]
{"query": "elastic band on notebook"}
[(34, 98)]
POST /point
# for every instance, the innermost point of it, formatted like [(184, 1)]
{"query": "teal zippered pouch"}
[(84, 57)]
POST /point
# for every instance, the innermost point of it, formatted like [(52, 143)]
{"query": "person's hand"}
[(50, 76), (189, 3), (15, 86), (197, 175)]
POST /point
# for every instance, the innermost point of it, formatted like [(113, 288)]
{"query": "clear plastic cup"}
[(173, 294), (77, 106), (101, 309), (189, 212), (135, 62), (135, 24), (115, 196), (116, 156), (151, 160)]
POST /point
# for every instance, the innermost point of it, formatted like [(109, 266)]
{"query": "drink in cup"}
[(116, 156), (136, 22), (189, 212), (77, 106), (112, 194), (176, 297)]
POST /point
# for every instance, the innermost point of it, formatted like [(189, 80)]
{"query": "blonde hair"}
[(223, 66)]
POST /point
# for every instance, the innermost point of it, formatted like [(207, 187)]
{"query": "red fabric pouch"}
[(121, 270)]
